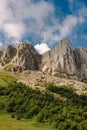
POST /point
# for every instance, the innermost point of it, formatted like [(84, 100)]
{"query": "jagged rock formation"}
[(21, 58), (60, 61), (7, 55), (80, 55), (63, 61), (27, 57)]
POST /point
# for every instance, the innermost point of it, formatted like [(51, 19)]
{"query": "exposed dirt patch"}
[(37, 79)]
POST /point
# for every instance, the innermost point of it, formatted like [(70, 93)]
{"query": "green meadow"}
[(8, 123), (24, 108), (6, 79)]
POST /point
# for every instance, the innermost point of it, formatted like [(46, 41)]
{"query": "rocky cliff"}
[(60, 61), (24, 57), (27, 57), (80, 55), (65, 62), (7, 55)]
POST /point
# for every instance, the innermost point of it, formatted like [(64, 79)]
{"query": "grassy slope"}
[(76, 104), (8, 123), (6, 78)]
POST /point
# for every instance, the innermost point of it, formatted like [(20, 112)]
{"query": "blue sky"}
[(43, 23)]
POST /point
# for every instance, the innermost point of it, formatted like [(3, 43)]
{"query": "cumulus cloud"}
[(68, 25), (63, 29), (24, 17), (42, 48), (14, 30), (36, 19)]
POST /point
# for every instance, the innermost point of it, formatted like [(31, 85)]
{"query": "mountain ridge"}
[(61, 61)]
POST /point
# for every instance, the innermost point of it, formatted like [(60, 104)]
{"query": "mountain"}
[(24, 57), (60, 61), (65, 62)]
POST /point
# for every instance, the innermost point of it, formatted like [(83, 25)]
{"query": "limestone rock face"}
[(21, 58), (26, 57), (7, 54), (80, 55), (60, 61)]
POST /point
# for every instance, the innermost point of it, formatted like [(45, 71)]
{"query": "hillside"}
[(6, 79), (49, 102), (8, 123), (38, 79), (43, 89), (57, 106)]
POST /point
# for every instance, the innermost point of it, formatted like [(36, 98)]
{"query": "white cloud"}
[(14, 12), (48, 34), (78, 8), (5, 13), (14, 30), (42, 48), (25, 17), (37, 11), (64, 29), (67, 26)]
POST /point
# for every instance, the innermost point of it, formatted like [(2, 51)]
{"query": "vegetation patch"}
[(6, 79), (62, 90), (8, 123), (24, 103)]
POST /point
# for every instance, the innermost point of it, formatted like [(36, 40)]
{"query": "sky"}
[(43, 23)]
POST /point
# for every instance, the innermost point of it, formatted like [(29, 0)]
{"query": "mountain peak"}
[(60, 61)]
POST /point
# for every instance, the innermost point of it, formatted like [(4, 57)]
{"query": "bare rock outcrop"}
[(7, 54), (80, 55), (60, 61), (26, 57), (65, 62)]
